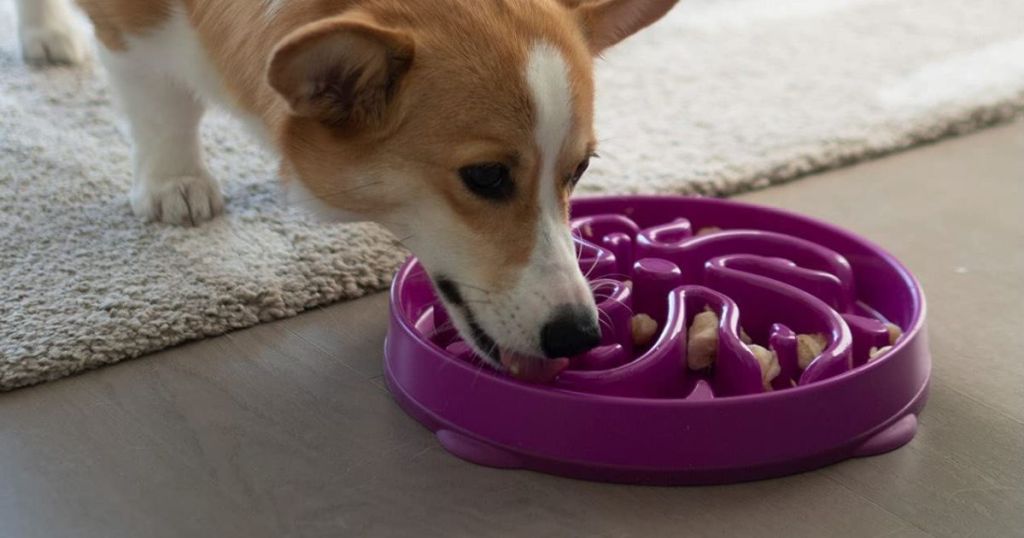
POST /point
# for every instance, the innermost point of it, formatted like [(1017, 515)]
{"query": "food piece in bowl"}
[(895, 333), (876, 353), (769, 362), (809, 347), (644, 329), (702, 340), (708, 230)]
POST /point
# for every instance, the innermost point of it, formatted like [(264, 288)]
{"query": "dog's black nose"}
[(571, 331)]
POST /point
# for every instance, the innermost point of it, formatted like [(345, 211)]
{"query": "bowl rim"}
[(399, 318)]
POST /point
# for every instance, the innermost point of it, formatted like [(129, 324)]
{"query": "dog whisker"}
[(593, 266), (605, 320), (578, 235), (401, 241), (629, 309), (443, 328), (612, 276)]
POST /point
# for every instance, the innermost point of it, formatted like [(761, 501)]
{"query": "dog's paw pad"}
[(185, 200), (53, 45)]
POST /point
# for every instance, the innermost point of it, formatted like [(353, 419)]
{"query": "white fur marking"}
[(552, 266), (161, 81), (548, 78), (47, 33), (551, 277), (175, 53)]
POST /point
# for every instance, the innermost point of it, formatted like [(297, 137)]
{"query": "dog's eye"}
[(580, 170), (492, 181)]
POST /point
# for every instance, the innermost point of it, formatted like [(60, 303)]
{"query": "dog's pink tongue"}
[(533, 369)]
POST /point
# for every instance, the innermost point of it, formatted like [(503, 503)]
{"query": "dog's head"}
[(463, 126)]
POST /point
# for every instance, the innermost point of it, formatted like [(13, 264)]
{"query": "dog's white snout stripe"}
[(553, 263), (548, 77)]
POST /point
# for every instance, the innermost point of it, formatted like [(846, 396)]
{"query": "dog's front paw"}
[(183, 200), (55, 44)]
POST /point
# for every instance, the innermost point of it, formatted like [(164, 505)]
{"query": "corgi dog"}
[(462, 126)]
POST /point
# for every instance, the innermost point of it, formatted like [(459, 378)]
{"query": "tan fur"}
[(607, 22), (114, 19), (471, 105), (364, 65), (464, 99), (401, 112)]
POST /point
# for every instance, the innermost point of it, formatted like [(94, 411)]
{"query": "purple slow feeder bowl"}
[(639, 415)]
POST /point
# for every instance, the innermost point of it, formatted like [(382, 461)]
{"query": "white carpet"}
[(729, 95), (722, 97)]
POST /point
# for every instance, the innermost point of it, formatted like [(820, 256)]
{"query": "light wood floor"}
[(286, 429)]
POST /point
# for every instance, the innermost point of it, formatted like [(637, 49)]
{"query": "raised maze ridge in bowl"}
[(773, 285)]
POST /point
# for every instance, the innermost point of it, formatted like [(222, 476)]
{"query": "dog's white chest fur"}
[(174, 52)]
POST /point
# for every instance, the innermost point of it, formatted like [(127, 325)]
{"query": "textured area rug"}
[(722, 97)]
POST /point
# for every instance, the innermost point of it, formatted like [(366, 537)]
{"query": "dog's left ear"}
[(343, 71), (607, 22)]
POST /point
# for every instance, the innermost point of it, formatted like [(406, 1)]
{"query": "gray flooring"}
[(286, 429)]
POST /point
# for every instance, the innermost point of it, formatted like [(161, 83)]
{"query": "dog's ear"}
[(607, 22), (343, 71)]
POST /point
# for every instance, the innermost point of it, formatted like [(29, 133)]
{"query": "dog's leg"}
[(46, 32), (172, 184)]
